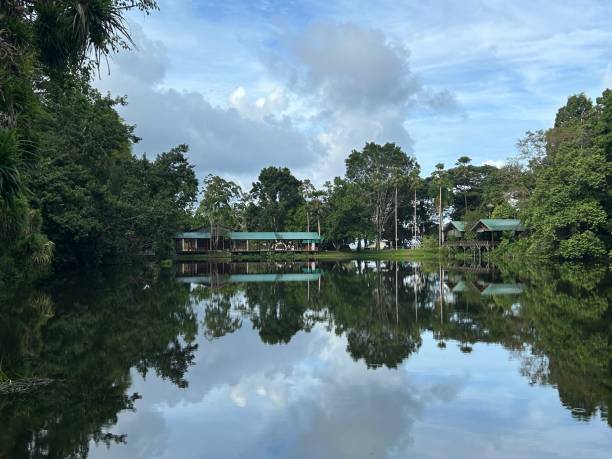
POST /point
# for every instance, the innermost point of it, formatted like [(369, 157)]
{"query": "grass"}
[(419, 254)]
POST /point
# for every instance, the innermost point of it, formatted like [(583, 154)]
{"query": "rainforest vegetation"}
[(72, 190), (558, 184)]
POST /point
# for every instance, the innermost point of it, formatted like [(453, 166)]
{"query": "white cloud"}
[(272, 104), (358, 85), (239, 139)]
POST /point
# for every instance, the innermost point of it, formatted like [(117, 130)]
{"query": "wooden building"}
[(247, 242), (488, 232), (455, 229)]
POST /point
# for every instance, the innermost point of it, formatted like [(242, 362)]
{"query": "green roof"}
[(503, 289), (257, 236), (274, 236), (283, 277), (193, 235), (463, 286), (242, 278), (458, 224), (501, 224)]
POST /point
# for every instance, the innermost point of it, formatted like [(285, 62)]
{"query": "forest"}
[(72, 191)]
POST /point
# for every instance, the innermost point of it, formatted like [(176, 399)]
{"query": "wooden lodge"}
[(487, 231), (246, 241)]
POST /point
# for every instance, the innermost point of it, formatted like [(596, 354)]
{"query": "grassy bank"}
[(421, 254)]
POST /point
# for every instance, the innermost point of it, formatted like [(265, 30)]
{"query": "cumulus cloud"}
[(238, 139), (358, 84), (352, 67), (325, 90), (272, 104)]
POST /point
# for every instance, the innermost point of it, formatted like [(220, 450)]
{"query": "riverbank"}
[(420, 254)]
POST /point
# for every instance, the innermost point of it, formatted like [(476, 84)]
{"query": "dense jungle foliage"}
[(70, 186)]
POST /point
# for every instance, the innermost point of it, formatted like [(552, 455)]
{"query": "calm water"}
[(334, 360)]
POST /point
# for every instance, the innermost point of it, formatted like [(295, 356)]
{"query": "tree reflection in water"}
[(556, 320), (85, 334)]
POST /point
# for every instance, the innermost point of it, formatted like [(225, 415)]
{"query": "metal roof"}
[(457, 224), (284, 277), (463, 286), (500, 224), (257, 236), (274, 236), (242, 278), (193, 235), (503, 289)]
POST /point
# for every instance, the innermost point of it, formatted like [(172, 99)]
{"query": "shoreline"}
[(420, 254)]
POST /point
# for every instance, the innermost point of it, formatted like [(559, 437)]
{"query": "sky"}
[(252, 83)]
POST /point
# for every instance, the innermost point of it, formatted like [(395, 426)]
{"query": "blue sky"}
[(301, 83)]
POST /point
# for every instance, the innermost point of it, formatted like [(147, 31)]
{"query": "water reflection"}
[(85, 334), (352, 359)]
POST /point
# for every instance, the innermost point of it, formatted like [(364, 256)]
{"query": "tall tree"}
[(567, 210), (463, 183), (346, 216), (219, 204), (277, 195), (377, 171), (439, 179)]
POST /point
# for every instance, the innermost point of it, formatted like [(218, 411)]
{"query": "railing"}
[(471, 244)]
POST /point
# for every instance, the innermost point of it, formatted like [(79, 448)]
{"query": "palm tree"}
[(70, 31), (463, 162), (439, 179)]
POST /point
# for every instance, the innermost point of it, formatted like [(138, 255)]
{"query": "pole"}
[(440, 218), (414, 223), (308, 230), (395, 217)]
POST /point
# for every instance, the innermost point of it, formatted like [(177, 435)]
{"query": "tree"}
[(567, 210), (98, 202), (377, 171), (81, 34), (473, 187), (439, 179), (463, 183), (346, 217), (219, 204), (276, 197), (308, 193)]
